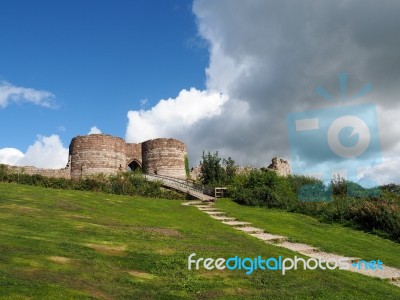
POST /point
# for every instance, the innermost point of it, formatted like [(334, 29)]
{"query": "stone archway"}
[(134, 165)]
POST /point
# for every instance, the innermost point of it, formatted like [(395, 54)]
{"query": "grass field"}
[(333, 238), (57, 244)]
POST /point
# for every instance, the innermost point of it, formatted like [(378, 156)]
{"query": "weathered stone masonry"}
[(96, 153), (102, 153), (58, 173), (164, 157), (280, 165)]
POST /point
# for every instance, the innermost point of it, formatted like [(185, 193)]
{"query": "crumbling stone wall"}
[(164, 157), (195, 173), (281, 166), (56, 173), (103, 153), (97, 153)]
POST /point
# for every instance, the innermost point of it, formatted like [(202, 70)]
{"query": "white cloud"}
[(173, 116), (11, 93), (262, 69), (10, 156), (46, 152), (94, 130), (384, 173)]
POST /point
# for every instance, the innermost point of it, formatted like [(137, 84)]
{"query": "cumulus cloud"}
[(10, 156), (10, 93), (384, 173), (46, 152), (94, 130), (266, 60), (174, 117)]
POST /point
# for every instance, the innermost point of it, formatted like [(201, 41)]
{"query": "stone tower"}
[(96, 153), (103, 153), (164, 157)]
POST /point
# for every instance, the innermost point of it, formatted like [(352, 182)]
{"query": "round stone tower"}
[(164, 157), (96, 153)]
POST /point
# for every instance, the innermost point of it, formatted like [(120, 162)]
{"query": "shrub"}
[(3, 172), (298, 181), (130, 183), (262, 188), (341, 201), (376, 215)]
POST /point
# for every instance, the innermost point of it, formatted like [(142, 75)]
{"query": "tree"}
[(214, 172), (187, 170), (211, 169), (230, 170)]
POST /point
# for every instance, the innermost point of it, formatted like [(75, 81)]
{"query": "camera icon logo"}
[(360, 130), (339, 139)]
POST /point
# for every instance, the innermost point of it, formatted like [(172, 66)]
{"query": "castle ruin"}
[(102, 153), (280, 166)]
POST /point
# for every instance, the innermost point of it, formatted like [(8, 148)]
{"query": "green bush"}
[(341, 201), (298, 181), (392, 188), (130, 183), (262, 188), (377, 215), (343, 188)]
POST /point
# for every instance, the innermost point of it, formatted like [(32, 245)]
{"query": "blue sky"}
[(218, 75), (99, 59)]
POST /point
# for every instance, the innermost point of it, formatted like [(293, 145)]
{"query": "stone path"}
[(389, 273)]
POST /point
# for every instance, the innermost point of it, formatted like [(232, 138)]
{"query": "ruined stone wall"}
[(281, 166), (244, 170), (102, 153), (164, 157), (195, 173), (133, 152), (97, 153), (56, 173)]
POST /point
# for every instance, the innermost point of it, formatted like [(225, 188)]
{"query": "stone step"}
[(392, 274), (223, 218), (214, 213), (298, 247), (387, 273), (269, 237), (207, 208), (207, 199), (395, 282), (193, 203), (325, 256), (236, 223), (249, 229), (204, 206)]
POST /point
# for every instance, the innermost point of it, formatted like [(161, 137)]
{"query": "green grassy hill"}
[(58, 244), (334, 238)]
